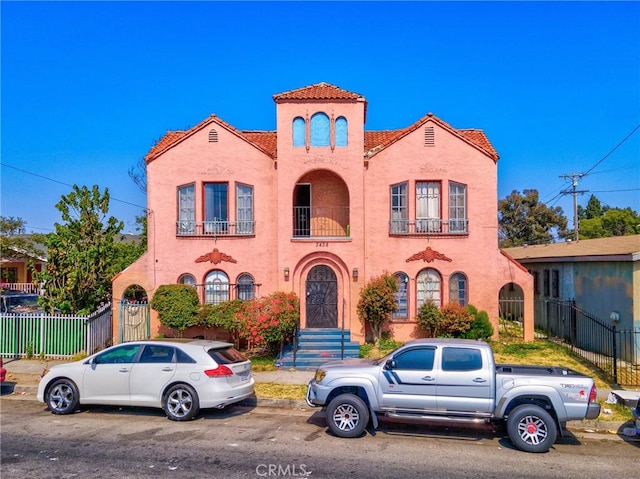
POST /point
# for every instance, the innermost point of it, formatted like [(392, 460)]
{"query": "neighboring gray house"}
[(602, 276)]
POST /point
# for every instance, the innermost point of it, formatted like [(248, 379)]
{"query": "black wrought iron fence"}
[(614, 351)]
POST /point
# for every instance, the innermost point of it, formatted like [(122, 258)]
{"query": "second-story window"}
[(399, 211), (186, 210), (457, 208), (428, 207), (320, 130), (244, 206), (216, 213)]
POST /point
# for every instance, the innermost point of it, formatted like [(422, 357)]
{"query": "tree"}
[(13, 237), (138, 175), (377, 302), (523, 219), (602, 221), (127, 252), (81, 253)]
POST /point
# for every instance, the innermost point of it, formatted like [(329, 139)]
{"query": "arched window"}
[(245, 286), (320, 131), (298, 131), (187, 279), (341, 131), (429, 287), (458, 289), (401, 296), (216, 288)]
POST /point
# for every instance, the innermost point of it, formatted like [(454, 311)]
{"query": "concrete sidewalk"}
[(23, 376)]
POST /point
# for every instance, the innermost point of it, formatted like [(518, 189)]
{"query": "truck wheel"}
[(347, 416), (531, 428)]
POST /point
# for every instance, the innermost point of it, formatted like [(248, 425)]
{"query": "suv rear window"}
[(227, 355)]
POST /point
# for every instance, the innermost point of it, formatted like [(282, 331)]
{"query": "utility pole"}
[(574, 182)]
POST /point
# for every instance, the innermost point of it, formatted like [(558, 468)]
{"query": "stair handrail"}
[(342, 338), (296, 331)]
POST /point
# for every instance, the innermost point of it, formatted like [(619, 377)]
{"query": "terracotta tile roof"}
[(593, 248), (319, 91), (375, 141), (263, 140)]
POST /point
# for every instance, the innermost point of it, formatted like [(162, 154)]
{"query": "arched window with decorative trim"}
[(187, 278), (458, 289), (429, 287), (245, 287), (320, 130), (298, 131), (216, 287), (341, 131), (402, 297)]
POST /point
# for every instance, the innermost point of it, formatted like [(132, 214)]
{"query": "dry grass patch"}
[(281, 391)]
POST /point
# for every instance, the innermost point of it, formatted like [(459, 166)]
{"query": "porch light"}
[(355, 273), (286, 274)]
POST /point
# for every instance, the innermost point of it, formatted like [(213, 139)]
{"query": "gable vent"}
[(213, 136), (429, 136)]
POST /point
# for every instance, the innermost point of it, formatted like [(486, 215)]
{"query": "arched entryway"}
[(511, 310), (134, 321), (321, 298)]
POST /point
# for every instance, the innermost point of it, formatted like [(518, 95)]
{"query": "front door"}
[(322, 298)]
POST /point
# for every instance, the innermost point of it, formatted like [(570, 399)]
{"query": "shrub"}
[(456, 320), (223, 315), (177, 306), (481, 327), (429, 318), (377, 302)]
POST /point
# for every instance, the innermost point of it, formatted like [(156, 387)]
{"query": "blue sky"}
[(88, 87)]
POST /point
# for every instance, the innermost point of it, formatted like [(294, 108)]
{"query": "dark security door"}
[(322, 298)]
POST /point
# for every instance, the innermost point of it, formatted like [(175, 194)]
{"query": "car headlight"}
[(320, 374)]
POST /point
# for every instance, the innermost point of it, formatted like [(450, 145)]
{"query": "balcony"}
[(321, 222), (429, 227), (215, 228)]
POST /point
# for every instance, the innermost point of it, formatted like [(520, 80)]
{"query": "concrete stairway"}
[(317, 346)]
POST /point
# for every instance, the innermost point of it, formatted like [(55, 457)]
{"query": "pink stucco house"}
[(321, 205)]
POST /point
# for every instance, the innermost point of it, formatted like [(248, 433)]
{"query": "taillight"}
[(220, 371), (593, 395)]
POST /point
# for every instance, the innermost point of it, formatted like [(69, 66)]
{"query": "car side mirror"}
[(390, 364)]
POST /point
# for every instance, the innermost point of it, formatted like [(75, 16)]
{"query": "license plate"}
[(244, 376)]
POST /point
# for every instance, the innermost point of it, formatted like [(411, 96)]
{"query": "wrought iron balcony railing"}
[(325, 222), (429, 227), (215, 228)]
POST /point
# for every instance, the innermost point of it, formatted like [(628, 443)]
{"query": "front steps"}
[(317, 346)]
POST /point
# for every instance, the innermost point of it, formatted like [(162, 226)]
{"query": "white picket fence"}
[(55, 336)]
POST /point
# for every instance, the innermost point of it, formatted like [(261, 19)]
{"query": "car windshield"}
[(22, 303)]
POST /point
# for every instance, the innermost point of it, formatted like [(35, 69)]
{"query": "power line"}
[(65, 184)]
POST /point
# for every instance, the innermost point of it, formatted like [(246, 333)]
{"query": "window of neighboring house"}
[(458, 289), (341, 131), (536, 281), (457, 207), (428, 207), (298, 131), (401, 296), (216, 287), (545, 282), (555, 283), (246, 286), (216, 213), (429, 287), (187, 278), (186, 210), (320, 130), (244, 205), (9, 275), (399, 211)]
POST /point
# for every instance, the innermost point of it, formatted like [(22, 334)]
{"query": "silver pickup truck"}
[(452, 381)]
